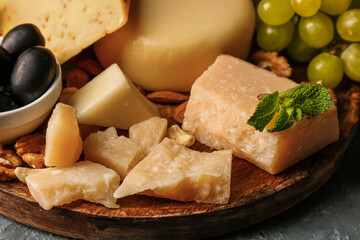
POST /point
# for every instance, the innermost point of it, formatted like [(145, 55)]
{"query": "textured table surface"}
[(331, 213)]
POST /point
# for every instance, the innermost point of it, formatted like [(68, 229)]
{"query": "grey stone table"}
[(331, 213)]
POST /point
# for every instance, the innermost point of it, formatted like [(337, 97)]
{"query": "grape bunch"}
[(325, 33)]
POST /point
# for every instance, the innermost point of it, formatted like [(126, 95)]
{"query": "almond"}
[(179, 112), (167, 97), (90, 65), (77, 78)]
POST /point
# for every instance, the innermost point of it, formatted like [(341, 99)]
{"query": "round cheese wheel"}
[(167, 44)]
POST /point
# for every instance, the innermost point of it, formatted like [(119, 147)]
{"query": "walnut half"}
[(32, 149)]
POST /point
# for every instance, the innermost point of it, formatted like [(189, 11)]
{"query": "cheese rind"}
[(167, 44), (68, 26), (84, 180), (224, 98), (116, 152), (111, 99), (176, 172)]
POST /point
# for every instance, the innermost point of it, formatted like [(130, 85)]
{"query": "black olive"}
[(5, 67), (7, 103), (22, 37), (32, 74)]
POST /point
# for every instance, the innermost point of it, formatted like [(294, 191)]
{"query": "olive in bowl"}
[(26, 118)]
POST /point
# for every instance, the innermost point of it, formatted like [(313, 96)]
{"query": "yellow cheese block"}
[(223, 99), (68, 26), (176, 172), (116, 152), (167, 44), (63, 142), (61, 185), (148, 133), (111, 99)]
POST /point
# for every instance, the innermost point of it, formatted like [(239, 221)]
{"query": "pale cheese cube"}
[(176, 172), (63, 142), (112, 100), (61, 185), (68, 26), (148, 133), (225, 96), (116, 152)]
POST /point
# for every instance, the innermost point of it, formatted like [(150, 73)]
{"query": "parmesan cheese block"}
[(176, 172), (225, 96), (148, 133), (63, 142), (167, 44), (61, 185), (116, 152), (111, 99), (68, 26)]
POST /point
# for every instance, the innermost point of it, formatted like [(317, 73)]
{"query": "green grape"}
[(275, 12), (306, 8), (348, 25), (275, 38), (299, 51), (316, 31), (326, 68), (351, 61), (335, 7)]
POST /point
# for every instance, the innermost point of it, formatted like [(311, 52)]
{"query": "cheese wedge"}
[(63, 142), (225, 96), (167, 44), (61, 185), (176, 172), (148, 133), (111, 99), (116, 152), (68, 26)]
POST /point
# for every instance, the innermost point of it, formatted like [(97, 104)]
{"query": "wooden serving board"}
[(255, 196)]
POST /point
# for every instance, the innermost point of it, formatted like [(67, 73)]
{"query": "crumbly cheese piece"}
[(68, 26), (176, 172), (116, 152), (148, 133), (111, 99), (63, 142), (61, 185), (167, 44), (223, 99)]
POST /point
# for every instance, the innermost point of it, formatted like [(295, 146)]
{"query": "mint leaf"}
[(312, 99), (265, 111), (294, 103), (283, 120)]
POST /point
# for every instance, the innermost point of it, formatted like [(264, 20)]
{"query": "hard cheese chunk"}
[(110, 99), (63, 142), (68, 26), (60, 185), (167, 44), (223, 99), (116, 152), (176, 172), (148, 133)]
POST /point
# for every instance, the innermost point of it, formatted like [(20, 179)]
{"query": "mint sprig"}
[(291, 105)]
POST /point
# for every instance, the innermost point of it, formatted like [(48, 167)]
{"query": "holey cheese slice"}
[(225, 96), (68, 26), (176, 172), (167, 44), (61, 185)]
